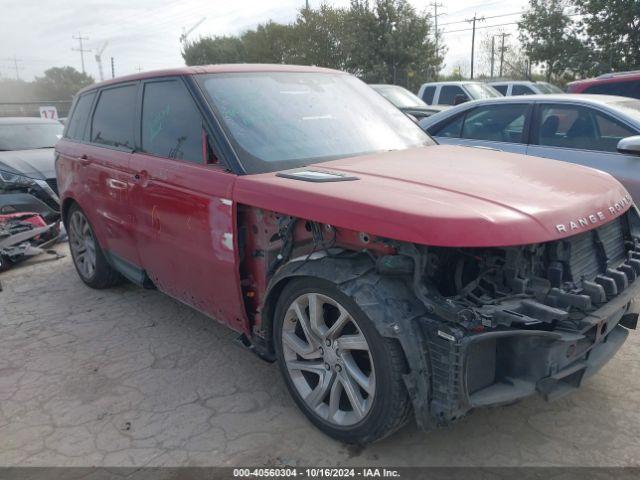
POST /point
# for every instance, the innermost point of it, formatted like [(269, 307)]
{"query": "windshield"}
[(399, 96), (281, 120), (480, 90), (548, 88), (29, 135)]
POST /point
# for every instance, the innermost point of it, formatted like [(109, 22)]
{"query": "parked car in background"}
[(623, 84), (455, 93), (27, 171), (390, 277), (406, 101), (593, 130), (521, 87)]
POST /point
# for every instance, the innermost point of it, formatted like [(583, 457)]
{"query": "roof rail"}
[(618, 74)]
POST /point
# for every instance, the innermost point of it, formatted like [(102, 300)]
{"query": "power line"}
[(485, 17), (497, 25), (483, 26), (80, 38)]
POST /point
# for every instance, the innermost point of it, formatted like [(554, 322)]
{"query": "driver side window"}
[(496, 123)]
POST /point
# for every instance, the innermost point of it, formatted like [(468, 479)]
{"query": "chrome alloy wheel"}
[(82, 243), (328, 359)]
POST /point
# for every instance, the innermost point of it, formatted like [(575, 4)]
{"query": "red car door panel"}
[(186, 234), (108, 179)]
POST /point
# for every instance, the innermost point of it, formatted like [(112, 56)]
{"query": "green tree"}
[(320, 37), (386, 42), (549, 38), (60, 83), (612, 28), (218, 49)]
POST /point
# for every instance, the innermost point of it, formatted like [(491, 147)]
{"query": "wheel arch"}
[(387, 301), (67, 203)]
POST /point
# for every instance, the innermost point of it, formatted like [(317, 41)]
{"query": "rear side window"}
[(521, 90), (572, 126), (448, 95), (114, 117), (629, 88), (427, 94), (80, 117), (171, 123), (501, 88)]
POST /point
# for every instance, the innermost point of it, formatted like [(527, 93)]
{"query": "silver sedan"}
[(597, 131)]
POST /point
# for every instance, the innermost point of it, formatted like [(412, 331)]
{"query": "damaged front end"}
[(479, 326), (24, 235), (505, 323)]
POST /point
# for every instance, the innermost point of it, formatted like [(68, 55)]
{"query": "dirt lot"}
[(132, 377)]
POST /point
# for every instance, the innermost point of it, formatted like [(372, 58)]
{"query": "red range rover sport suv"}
[(389, 277)]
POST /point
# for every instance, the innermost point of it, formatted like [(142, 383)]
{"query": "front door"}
[(182, 204), (502, 127)]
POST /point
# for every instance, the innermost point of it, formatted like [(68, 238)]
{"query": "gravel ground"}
[(129, 377)]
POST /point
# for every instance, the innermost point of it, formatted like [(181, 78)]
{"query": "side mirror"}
[(630, 145), (460, 98)]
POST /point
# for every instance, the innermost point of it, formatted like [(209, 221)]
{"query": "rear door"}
[(68, 167), (93, 168), (182, 203), (586, 136), (108, 177), (502, 127)]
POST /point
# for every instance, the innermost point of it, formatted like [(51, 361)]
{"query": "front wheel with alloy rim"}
[(88, 258), (341, 372)]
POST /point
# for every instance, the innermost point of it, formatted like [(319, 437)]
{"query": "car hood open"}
[(447, 196), (38, 164)]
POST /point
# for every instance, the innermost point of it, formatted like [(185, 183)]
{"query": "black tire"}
[(104, 275), (390, 408)]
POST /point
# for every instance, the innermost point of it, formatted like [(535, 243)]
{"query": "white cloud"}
[(145, 33)]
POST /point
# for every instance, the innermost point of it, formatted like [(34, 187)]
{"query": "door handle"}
[(84, 160), (116, 184)]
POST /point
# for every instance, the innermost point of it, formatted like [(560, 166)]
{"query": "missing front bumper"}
[(500, 367)]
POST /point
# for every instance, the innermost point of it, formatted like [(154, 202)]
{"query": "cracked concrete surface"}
[(129, 377)]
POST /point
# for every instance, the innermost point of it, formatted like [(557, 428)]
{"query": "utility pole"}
[(80, 38), (503, 35), (493, 48), (435, 6), (473, 39), (113, 70), (15, 66)]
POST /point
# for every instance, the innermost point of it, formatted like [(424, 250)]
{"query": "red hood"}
[(448, 196)]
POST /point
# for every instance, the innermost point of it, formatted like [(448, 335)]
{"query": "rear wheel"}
[(345, 377), (88, 258)]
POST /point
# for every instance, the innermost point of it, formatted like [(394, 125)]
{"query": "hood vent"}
[(318, 176)]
